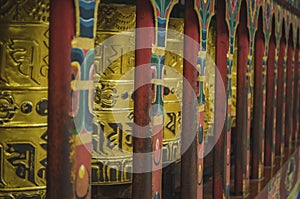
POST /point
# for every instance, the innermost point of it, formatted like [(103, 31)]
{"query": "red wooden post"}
[(289, 94), (141, 182), (62, 31), (189, 170), (70, 90), (270, 102), (296, 92), (258, 137), (279, 111), (220, 163), (241, 115)]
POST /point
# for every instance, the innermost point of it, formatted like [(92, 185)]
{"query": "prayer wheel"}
[(114, 83), (23, 98)]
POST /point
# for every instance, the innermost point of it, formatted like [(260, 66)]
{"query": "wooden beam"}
[(221, 178), (142, 181), (279, 112), (62, 31), (258, 136), (240, 135), (189, 170), (289, 94), (270, 103)]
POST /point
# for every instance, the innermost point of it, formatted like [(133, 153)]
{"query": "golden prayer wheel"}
[(114, 82), (23, 98)]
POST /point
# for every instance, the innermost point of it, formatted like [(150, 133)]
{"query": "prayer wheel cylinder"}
[(114, 82), (23, 98)]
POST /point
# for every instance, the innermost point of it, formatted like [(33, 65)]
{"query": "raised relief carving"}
[(25, 55), (24, 63), (26, 161), (117, 136), (23, 59), (42, 107), (112, 60), (42, 170), (22, 157), (114, 18), (25, 10), (2, 183), (173, 122), (106, 96), (114, 81), (7, 107)]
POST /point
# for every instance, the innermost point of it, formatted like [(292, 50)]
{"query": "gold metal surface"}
[(234, 85), (114, 82), (210, 82), (23, 97)]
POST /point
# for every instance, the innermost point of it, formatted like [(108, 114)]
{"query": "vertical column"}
[(62, 30), (278, 30), (162, 10), (240, 145), (220, 175), (232, 17), (280, 88), (298, 68), (289, 94), (270, 102), (207, 10), (74, 84), (258, 137), (189, 179), (296, 92), (142, 181)]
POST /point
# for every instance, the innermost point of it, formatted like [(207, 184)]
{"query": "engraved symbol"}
[(14, 8), (130, 116), (115, 138), (42, 107), (106, 96), (7, 107), (2, 183), (26, 107), (26, 56), (2, 62), (171, 125), (42, 171), (124, 95), (22, 157), (98, 138)]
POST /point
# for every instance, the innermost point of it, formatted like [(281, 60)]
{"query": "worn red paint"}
[(280, 109), (289, 93), (189, 104), (270, 102), (257, 166), (62, 31), (220, 187), (240, 133), (142, 182)]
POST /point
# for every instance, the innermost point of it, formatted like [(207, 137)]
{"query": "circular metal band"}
[(23, 108)]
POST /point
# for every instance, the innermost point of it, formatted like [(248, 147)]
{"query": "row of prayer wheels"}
[(24, 43)]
